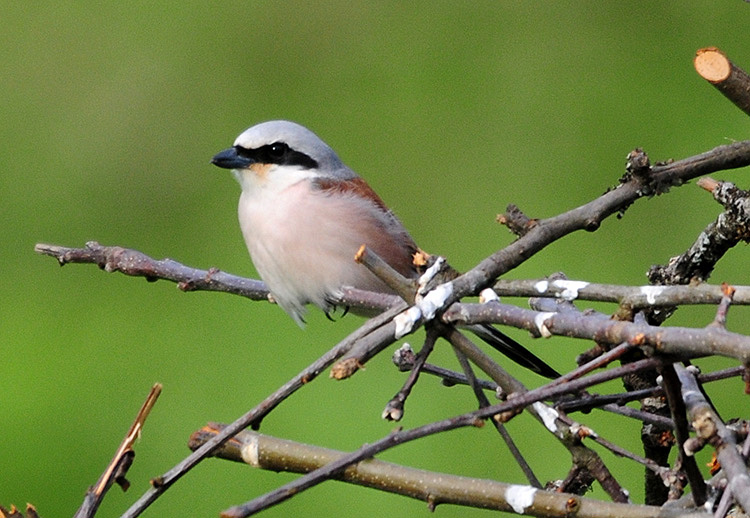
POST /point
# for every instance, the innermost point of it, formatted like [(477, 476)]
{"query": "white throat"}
[(270, 179)]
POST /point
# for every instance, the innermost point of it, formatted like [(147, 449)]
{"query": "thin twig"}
[(254, 416), (404, 287), (500, 427), (118, 467), (588, 402), (404, 359), (711, 430), (720, 319), (671, 386), (726, 498), (640, 415), (394, 409), (137, 264)]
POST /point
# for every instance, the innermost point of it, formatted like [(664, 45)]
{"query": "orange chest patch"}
[(260, 170)]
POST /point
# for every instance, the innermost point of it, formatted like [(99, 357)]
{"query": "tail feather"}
[(513, 350)]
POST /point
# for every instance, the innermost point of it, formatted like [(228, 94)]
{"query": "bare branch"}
[(679, 341), (404, 358), (589, 216), (635, 297), (595, 401), (134, 263), (720, 320), (406, 288), (266, 452), (137, 264)]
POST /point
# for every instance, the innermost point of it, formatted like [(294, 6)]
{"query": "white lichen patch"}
[(405, 321), (569, 289), (434, 300), (651, 292), (488, 295), (548, 414), (540, 321), (249, 452), (520, 497), (429, 274)]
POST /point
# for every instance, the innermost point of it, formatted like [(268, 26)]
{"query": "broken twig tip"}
[(708, 184), (359, 256)]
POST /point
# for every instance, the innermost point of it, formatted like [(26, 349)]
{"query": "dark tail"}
[(513, 350)]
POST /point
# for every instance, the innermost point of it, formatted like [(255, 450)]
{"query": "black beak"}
[(229, 159)]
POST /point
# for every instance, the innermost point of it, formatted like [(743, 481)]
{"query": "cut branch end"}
[(715, 67), (712, 64)]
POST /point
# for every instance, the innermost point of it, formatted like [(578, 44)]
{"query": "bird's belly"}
[(303, 245)]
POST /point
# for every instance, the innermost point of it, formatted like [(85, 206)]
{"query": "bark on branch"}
[(679, 342), (270, 453)]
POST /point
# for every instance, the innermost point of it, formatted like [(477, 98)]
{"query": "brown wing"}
[(397, 247)]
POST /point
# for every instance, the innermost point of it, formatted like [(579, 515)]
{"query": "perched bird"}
[(304, 214)]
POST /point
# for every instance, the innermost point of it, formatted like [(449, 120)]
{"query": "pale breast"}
[(303, 243)]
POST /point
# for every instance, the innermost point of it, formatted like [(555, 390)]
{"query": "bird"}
[(304, 214)]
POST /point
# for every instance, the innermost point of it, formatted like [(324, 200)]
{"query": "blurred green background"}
[(110, 115)]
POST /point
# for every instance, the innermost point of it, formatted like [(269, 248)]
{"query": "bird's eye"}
[(277, 151)]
